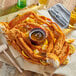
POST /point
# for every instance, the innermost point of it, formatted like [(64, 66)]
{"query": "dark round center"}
[(37, 35)]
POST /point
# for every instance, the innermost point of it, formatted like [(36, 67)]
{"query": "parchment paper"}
[(68, 70)]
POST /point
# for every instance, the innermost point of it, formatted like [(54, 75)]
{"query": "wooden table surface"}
[(69, 4)]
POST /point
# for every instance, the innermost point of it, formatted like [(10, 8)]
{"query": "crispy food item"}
[(67, 31), (71, 49), (70, 40), (54, 48)]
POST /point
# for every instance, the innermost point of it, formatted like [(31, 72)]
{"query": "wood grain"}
[(69, 4)]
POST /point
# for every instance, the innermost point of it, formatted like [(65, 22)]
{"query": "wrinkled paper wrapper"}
[(67, 70)]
